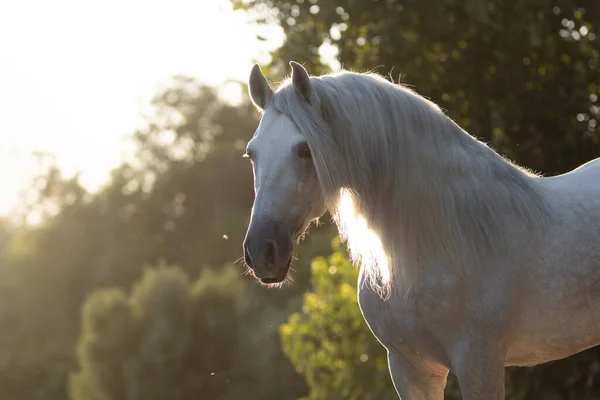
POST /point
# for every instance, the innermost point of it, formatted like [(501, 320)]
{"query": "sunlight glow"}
[(364, 245), (74, 75)]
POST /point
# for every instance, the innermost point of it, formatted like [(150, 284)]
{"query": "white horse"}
[(468, 262)]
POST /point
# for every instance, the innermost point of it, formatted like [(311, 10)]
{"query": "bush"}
[(174, 339)]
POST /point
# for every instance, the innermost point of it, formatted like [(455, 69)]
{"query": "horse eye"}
[(303, 151)]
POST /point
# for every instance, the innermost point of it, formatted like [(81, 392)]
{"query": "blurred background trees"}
[(175, 339), (184, 200), (91, 306)]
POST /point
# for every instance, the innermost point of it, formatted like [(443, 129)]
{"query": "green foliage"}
[(33, 369), (183, 200), (172, 339), (329, 341)]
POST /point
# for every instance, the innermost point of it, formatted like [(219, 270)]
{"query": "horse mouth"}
[(280, 277), (272, 280)]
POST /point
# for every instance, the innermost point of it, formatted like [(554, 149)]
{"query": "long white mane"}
[(409, 189)]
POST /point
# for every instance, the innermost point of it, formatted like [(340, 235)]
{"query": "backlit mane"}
[(395, 195)]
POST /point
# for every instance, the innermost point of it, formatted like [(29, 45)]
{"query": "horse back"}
[(562, 275)]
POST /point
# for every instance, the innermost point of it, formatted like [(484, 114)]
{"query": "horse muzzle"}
[(268, 249)]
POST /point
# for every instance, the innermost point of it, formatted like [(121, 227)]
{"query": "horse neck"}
[(451, 198)]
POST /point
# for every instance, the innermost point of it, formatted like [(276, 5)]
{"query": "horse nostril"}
[(270, 252), (247, 258)]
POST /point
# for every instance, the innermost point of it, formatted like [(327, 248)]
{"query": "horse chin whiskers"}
[(317, 222), (300, 237), (302, 233), (287, 281), (247, 270)]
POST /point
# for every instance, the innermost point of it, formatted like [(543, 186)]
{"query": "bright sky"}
[(74, 75)]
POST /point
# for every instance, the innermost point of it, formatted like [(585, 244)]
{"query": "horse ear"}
[(261, 92), (301, 81)]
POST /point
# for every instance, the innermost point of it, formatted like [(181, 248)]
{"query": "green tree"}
[(184, 199), (174, 339)]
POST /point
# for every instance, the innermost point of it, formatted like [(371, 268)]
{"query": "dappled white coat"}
[(468, 262)]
